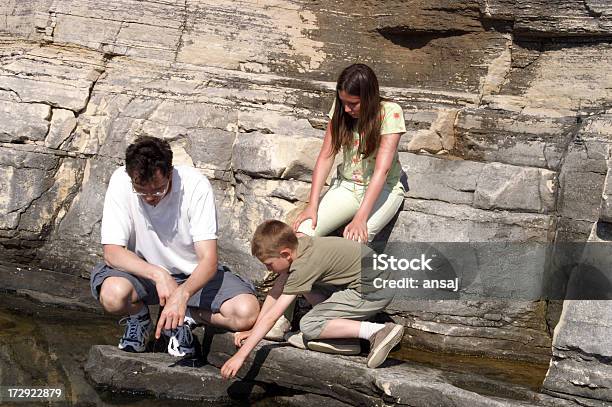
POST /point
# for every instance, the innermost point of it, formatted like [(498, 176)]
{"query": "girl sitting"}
[(367, 192)]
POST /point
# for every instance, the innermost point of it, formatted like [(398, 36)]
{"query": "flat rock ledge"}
[(165, 377), (307, 374)]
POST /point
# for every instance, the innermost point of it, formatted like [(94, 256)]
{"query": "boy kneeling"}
[(303, 264)]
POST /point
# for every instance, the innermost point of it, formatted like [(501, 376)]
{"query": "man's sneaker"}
[(382, 342), (137, 332), (278, 331), (180, 343)]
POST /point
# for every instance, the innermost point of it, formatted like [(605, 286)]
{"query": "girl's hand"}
[(231, 367), (309, 213), (240, 337), (356, 230)]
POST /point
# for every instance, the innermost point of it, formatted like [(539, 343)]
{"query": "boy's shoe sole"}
[(383, 342), (336, 346), (332, 346)]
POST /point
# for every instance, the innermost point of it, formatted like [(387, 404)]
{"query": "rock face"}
[(507, 106), (297, 371), (580, 368), (161, 376)]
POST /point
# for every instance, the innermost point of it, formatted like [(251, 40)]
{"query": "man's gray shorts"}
[(224, 285)]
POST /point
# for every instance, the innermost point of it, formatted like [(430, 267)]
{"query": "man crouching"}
[(159, 233)]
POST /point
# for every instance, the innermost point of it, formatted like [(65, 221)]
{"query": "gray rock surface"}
[(506, 105), (519, 138), (48, 287), (22, 121), (561, 18), (164, 377), (579, 368), (503, 329), (394, 382), (482, 185)]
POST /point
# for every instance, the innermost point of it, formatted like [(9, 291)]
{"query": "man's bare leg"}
[(236, 314), (118, 296)]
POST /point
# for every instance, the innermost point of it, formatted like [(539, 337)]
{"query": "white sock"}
[(367, 329), (144, 311), (189, 319)]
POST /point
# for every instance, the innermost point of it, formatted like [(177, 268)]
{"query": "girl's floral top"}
[(359, 170)]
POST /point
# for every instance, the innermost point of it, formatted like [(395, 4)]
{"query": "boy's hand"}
[(240, 337), (231, 367)]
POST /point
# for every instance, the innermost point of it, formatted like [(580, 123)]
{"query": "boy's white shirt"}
[(163, 235)]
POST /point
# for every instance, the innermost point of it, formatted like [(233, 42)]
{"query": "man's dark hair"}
[(145, 156)]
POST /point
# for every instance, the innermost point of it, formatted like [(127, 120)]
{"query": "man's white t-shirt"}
[(163, 235)]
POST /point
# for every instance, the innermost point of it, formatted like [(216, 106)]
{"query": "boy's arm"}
[(273, 294), (261, 328)]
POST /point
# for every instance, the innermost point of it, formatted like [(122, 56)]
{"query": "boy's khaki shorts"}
[(341, 304)]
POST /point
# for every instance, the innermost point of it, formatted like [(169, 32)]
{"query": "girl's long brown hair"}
[(357, 80)]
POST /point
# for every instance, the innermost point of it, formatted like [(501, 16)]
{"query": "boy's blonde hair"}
[(271, 237)]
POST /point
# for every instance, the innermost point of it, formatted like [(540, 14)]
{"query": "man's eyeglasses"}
[(152, 194)]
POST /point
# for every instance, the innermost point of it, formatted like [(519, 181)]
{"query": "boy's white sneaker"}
[(296, 339), (278, 331)]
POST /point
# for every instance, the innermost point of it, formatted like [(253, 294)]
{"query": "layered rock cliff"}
[(507, 105)]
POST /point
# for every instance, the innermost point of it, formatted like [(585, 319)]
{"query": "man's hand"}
[(174, 311), (240, 337), (165, 285), (231, 367)]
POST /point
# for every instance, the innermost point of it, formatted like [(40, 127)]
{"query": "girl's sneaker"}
[(137, 332), (180, 343)]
